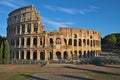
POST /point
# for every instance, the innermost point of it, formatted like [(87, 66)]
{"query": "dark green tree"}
[(111, 40), (6, 52), (1, 52)]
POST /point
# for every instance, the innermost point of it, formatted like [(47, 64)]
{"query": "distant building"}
[(28, 41)]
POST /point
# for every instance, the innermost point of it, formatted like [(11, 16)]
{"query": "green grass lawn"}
[(15, 76), (101, 76)]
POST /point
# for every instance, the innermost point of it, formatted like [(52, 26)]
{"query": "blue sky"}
[(100, 15)]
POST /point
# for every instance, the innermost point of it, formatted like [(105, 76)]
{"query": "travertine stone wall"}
[(28, 41)]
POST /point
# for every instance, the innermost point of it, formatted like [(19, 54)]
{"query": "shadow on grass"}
[(74, 77), (95, 71), (109, 66), (33, 77)]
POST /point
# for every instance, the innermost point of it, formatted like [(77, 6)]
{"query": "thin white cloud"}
[(71, 10), (56, 24), (12, 3)]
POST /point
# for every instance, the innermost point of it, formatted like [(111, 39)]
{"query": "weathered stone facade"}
[(28, 41)]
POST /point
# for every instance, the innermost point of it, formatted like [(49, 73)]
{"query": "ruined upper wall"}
[(23, 14)]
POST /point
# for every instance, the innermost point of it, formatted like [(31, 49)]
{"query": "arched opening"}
[(42, 56), (17, 54), (22, 54), (88, 54), (58, 41), (80, 42), (17, 42), (35, 41), (80, 54), (84, 42), (84, 55), (58, 54), (75, 42), (34, 55), (88, 42), (91, 43), (70, 42), (75, 35), (65, 55), (28, 41), (35, 27), (28, 55), (29, 28), (51, 56), (22, 41), (51, 42)]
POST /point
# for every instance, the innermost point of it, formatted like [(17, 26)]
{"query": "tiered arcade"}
[(28, 41)]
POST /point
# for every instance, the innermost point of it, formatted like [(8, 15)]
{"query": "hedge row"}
[(100, 61)]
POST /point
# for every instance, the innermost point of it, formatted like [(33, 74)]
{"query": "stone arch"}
[(75, 35), (91, 43), (22, 54), (58, 54), (88, 54), (35, 41), (80, 54), (42, 56), (58, 41), (51, 56), (28, 41), (84, 42), (28, 55), (70, 42), (75, 42), (51, 41), (84, 55), (34, 55), (65, 54), (88, 42), (35, 27), (80, 42), (17, 54)]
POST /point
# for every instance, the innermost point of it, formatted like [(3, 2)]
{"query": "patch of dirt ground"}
[(61, 71)]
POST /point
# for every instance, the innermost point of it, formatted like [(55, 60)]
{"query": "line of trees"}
[(4, 50), (111, 43)]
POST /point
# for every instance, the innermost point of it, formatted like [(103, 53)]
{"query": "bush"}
[(101, 61)]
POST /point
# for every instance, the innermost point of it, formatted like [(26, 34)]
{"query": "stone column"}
[(25, 28), (38, 55), (46, 56), (32, 25), (38, 41), (19, 42), (25, 41), (20, 29), (54, 54), (31, 54), (14, 54), (31, 41), (19, 54), (62, 55), (24, 54), (45, 40)]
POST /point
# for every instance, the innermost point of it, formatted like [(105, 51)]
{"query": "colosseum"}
[(28, 40)]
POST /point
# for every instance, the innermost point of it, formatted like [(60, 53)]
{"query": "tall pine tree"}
[(1, 52), (6, 52)]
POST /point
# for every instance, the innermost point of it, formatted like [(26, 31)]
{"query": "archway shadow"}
[(33, 77), (74, 77), (95, 71), (109, 66)]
